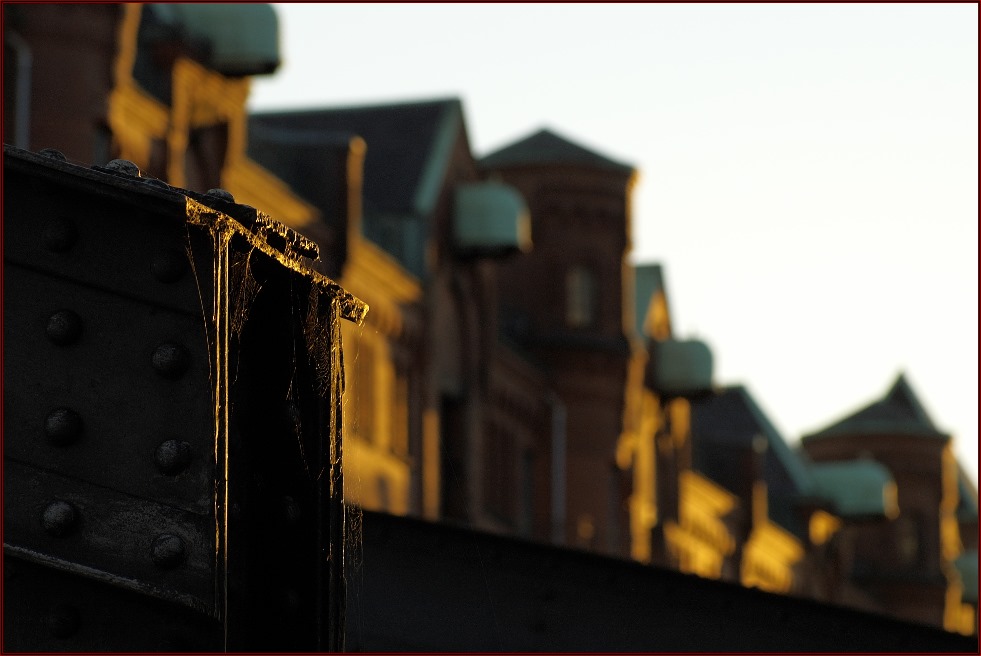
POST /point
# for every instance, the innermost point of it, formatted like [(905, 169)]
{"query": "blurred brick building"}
[(517, 373)]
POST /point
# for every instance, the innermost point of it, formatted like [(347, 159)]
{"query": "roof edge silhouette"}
[(546, 147)]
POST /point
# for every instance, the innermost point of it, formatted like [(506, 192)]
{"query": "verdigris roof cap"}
[(967, 503), (967, 567), (546, 147), (899, 412), (243, 38), (490, 218), (680, 367), (860, 488)]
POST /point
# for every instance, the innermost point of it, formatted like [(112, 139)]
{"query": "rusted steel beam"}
[(172, 419)]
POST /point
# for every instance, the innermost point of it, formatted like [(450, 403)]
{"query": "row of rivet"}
[(64, 426), (129, 168), (60, 519), (168, 266), (170, 360)]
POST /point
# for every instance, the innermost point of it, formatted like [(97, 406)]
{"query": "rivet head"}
[(63, 621), (64, 327), (220, 194), (123, 166), (173, 456), (53, 153), (169, 266), (59, 518), (167, 551), (63, 426), (171, 360), (60, 235)]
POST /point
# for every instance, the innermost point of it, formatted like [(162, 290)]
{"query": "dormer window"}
[(580, 294)]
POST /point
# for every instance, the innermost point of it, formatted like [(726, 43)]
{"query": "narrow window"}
[(580, 289)]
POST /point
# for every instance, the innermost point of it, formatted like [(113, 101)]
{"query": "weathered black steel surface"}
[(422, 587), (172, 383)]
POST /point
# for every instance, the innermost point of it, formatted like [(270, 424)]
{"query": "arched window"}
[(580, 295)]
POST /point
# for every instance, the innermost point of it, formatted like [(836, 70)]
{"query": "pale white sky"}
[(808, 173)]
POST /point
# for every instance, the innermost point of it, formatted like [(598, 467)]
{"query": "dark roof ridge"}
[(547, 146), (902, 392), (899, 410), (793, 461), (408, 150)]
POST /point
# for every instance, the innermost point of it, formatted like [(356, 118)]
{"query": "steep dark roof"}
[(546, 147), (312, 162), (401, 139), (899, 412), (408, 152), (723, 426)]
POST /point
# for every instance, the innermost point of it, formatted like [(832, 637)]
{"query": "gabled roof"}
[(405, 142), (899, 412), (312, 162), (723, 427), (408, 150), (547, 147)]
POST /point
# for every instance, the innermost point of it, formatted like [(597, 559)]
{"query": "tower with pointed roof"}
[(910, 565), (568, 303)]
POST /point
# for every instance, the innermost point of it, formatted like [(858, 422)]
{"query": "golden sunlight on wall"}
[(771, 552), (155, 136), (822, 526), (958, 616), (700, 541), (635, 453), (378, 473)]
